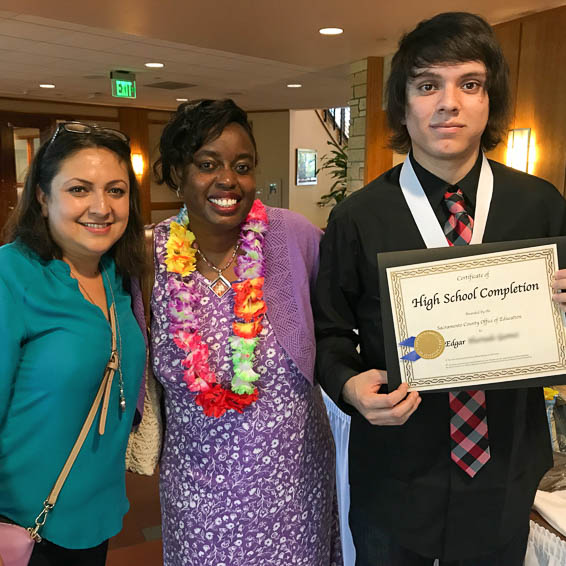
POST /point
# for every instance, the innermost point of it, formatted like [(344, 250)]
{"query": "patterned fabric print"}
[(250, 489), (459, 226), (468, 430), (468, 420), (277, 272)]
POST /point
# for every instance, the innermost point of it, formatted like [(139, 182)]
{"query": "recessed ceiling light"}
[(46, 85), (182, 99), (294, 85), (331, 31), (155, 65)]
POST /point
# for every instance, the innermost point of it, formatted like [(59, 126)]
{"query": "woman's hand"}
[(394, 408)]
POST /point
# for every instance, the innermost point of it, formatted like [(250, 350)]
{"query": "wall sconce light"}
[(518, 149), (137, 164)]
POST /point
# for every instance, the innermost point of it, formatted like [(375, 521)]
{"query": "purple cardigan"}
[(291, 260)]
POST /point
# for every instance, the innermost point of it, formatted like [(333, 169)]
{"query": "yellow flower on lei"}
[(181, 256)]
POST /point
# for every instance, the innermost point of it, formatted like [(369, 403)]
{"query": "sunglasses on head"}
[(80, 128)]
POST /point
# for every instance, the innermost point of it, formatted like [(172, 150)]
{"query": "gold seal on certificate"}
[(429, 344), (472, 320)]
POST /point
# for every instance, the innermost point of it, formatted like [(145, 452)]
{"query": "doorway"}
[(20, 137)]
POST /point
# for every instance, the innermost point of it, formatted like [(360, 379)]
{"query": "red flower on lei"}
[(249, 308), (217, 400)]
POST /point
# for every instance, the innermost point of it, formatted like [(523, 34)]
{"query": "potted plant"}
[(337, 162)]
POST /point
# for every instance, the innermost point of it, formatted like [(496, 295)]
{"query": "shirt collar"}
[(434, 187)]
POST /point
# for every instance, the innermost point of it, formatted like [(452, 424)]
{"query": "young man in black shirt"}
[(410, 503)]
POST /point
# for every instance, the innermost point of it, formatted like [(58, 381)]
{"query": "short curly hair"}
[(194, 124), (451, 37)]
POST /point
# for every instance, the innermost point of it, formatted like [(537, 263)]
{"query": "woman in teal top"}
[(76, 248)]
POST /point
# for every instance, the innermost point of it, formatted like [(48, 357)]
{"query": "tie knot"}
[(455, 201), (458, 228)]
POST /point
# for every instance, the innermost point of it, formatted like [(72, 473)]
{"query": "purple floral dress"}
[(247, 489)]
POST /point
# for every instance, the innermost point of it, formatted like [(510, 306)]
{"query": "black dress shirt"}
[(435, 187), (402, 477)]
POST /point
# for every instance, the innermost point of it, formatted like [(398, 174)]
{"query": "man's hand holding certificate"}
[(466, 320), (559, 288)]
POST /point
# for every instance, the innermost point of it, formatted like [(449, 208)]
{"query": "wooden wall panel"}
[(8, 194), (535, 47), (509, 37), (541, 92), (9, 120), (378, 158), (134, 122)]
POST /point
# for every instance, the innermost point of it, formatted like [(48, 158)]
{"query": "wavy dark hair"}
[(28, 225), (194, 124), (452, 37)]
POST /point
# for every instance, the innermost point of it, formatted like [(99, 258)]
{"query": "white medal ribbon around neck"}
[(431, 231)]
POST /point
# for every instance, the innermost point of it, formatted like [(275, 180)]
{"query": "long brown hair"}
[(27, 224)]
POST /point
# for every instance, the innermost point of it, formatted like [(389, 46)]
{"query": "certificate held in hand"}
[(478, 316)]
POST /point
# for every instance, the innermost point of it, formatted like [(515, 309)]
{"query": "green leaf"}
[(336, 162)]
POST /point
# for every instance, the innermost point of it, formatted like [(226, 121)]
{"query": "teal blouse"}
[(55, 346)]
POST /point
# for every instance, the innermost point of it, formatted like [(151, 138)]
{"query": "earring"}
[(178, 193)]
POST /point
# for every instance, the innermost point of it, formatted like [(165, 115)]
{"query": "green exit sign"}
[(123, 84), (123, 88)]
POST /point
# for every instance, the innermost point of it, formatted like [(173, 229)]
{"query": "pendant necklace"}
[(85, 292), (220, 285)]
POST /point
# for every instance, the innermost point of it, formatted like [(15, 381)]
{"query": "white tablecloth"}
[(340, 425), (544, 548)]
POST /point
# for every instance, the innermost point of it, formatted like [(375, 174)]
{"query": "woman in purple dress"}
[(247, 471)]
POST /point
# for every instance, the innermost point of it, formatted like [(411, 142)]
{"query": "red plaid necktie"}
[(468, 417)]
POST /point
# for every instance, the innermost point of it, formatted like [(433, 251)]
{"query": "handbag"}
[(16, 545), (145, 441), (16, 542)]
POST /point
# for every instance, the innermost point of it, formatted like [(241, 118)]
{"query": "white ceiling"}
[(244, 49)]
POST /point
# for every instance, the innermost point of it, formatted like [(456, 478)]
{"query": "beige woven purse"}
[(145, 441)]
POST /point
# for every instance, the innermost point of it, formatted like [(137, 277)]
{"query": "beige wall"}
[(271, 132), (307, 132)]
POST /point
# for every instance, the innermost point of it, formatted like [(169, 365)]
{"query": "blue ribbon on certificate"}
[(412, 356)]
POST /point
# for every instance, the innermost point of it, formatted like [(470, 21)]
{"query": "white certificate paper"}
[(478, 320)]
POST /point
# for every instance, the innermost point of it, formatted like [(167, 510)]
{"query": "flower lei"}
[(249, 308)]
